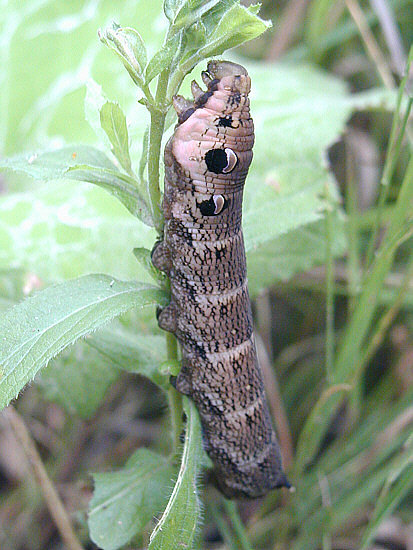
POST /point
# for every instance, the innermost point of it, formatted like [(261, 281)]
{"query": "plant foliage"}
[(59, 224)]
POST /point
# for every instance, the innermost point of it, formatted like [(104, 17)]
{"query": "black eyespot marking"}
[(216, 160), (225, 121), (207, 208), (214, 206)]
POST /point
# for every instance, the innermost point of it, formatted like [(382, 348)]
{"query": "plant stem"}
[(232, 511), (174, 397), (329, 348), (53, 501), (158, 114), (154, 153)]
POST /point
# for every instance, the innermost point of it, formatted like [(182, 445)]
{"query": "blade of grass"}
[(388, 317), (393, 152), (353, 258), (396, 487), (329, 343), (399, 229), (224, 529), (350, 458), (348, 365), (232, 511), (353, 263)]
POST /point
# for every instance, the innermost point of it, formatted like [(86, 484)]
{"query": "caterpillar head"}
[(227, 76), (222, 76), (214, 136)]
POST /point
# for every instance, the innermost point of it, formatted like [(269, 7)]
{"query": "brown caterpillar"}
[(206, 163)]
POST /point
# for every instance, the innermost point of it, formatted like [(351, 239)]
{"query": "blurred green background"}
[(323, 116)]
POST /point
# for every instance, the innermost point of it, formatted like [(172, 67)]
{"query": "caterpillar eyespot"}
[(221, 161), (203, 253), (213, 206)]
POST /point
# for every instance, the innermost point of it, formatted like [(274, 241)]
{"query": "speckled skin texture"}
[(210, 311)]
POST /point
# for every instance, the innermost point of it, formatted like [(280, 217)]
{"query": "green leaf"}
[(39, 328), (183, 13), (170, 7), (195, 38), (82, 163), (178, 525), (235, 26), (238, 25), (298, 113), (144, 155), (78, 380), (126, 500), (113, 122), (133, 352), (134, 45), (163, 57), (129, 46)]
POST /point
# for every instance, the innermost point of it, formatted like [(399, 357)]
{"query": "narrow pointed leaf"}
[(37, 329), (178, 524), (113, 122), (121, 186), (144, 155), (129, 47)]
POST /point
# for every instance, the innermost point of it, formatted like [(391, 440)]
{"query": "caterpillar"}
[(202, 251)]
